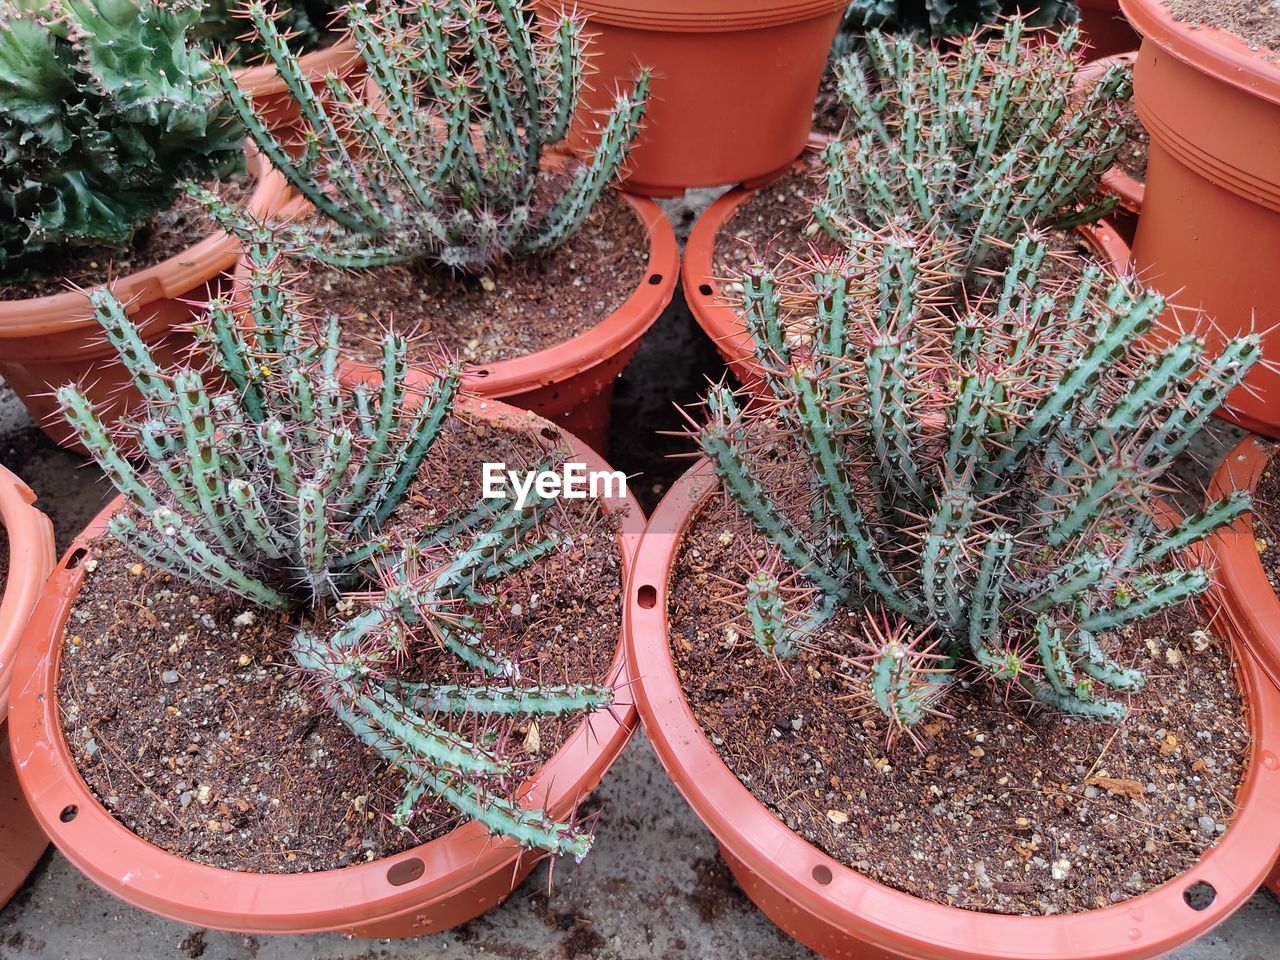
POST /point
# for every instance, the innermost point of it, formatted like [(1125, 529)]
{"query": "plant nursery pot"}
[(719, 319), (570, 383), (46, 342), (270, 94), (838, 912), (1105, 29), (1209, 237), (733, 84), (424, 890), (1115, 181), (29, 537)]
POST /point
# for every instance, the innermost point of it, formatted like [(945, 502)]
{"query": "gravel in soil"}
[(526, 305), (1132, 158), (1256, 22), (1266, 520), (190, 724), (1001, 810), (829, 111), (167, 234), (4, 560)]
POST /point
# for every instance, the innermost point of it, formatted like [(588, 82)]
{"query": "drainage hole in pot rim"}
[(406, 871), (647, 597), (75, 557), (69, 813), (482, 372), (705, 289), (822, 874), (655, 279), (1200, 895)]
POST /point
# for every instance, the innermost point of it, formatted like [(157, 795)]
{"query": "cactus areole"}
[(274, 483)]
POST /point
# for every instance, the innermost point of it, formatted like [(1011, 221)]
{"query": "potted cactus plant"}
[(983, 141), (915, 639), (26, 557), (376, 690), (435, 201), (1124, 180), (104, 109), (1207, 88)]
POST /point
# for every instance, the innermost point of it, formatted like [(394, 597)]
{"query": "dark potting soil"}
[(4, 560), (1266, 520), (1002, 810), (1256, 22), (167, 233), (525, 306), (1132, 158), (829, 111), (190, 723)]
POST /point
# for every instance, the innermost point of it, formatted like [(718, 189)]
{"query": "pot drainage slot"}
[(406, 871), (647, 597), (655, 279), (69, 813), (1199, 895), (822, 874), (74, 560), (705, 289)]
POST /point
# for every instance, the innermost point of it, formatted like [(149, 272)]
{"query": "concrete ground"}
[(653, 887)]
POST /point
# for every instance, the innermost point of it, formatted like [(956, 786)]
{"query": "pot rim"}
[(60, 313), (31, 555), (1241, 586), (608, 337), (720, 320), (348, 897), (1212, 51), (699, 16), (1145, 926)]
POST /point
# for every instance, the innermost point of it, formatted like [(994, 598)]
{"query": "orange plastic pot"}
[(271, 96), (1105, 29), (719, 318), (31, 555), (570, 383), (733, 85), (429, 888), (836, 911), (1209, 237), (46, 342)]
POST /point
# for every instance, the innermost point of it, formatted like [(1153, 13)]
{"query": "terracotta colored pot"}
[(46, 342), (31, 554), (836, 911), (1105, 29), (1115, 182), (719, 318), (733, 86), (429, 888), (1210, 230), (570, 383), (272, 98)]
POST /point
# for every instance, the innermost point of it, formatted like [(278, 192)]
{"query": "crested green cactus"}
[(271, 480), (978, 467), (104, 110), (445, 166), (982, 142)]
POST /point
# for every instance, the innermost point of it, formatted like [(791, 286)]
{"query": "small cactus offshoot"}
[(271, 480), (445, 166), (978, 468), (980, 143)]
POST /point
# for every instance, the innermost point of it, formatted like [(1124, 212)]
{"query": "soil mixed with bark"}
[(1256, 22), (167, 234), (1266, 520), (190, 723), (513, 310), (1001, 809)]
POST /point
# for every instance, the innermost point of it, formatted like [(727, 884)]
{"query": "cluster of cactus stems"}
[(943, 18), (269, 479), (105, 109), (445, 166), (977, 143), (978, 469)]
